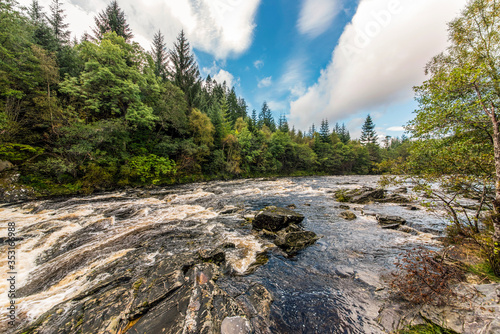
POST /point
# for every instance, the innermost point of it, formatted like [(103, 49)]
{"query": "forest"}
[(78, 116)]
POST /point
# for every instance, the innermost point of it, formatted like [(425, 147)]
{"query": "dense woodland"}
[(100, 112)]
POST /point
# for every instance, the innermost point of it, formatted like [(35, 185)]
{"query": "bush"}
[(151, 168), (423, 277)]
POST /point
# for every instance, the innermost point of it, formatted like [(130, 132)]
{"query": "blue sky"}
[(309, 59)]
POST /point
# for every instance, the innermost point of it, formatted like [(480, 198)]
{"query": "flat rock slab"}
[(274, 219), (235, 325), (386, 220), (348, 215)]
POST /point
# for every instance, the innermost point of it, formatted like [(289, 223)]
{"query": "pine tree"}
[(266, 118), (312, 130), (112, 19), (324, 131), (42, 33), (368, 135), (283, 124), (160, 55), (56, 20), (183, 70), (344, 135)]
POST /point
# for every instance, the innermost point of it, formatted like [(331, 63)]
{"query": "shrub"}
[(151, 168), (422, 276)]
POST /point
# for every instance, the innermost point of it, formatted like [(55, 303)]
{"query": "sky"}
[(310, 60)]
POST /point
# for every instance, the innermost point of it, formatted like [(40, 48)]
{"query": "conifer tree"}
[(283, 124), (160, 55), (112, 19), (183, 71), (266, 118), (368, 135), (56, 21), (324, 131)]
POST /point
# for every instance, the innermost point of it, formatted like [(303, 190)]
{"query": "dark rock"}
[(390, 221), (292, 206), (393, 198), (344, 207), (348, 215), (360, 196), (292, 239), (401, 190), (5, 165), (229, 209), (216, 256), (409, 230), (275, 219), (391, 226)]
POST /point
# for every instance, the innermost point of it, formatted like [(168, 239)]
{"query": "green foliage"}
[(151, 168), (368, 135), (428, 328), (18, 153)]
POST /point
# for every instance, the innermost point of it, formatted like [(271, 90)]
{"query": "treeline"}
[(101, 112)]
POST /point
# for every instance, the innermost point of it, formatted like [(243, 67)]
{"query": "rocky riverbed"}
[(196, 259)]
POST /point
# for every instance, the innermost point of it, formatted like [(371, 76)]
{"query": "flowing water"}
[(69, 248)]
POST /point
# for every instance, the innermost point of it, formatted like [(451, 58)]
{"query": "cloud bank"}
[(222, 28), (379, 58)]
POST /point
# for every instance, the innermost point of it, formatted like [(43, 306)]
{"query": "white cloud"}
[(266, 82), (220, 27), (224, 75), (258, 64), (396, 128), (379, 58), (316, 16)]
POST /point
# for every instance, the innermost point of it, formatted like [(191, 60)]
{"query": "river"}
[(92, 264)]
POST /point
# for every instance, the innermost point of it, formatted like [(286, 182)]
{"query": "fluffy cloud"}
[(224, 75), (266, 82), (219, 27), (379, 58), (316, 16), (396, 129)]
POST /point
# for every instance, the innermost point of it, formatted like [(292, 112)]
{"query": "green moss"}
[(428, 328), (484, 270), (136, 286)]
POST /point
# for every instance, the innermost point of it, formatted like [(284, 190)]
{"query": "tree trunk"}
[(496, 203)]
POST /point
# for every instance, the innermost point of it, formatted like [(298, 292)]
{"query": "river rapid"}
[(129, 261)]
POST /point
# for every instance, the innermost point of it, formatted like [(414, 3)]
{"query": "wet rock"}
[(348, 215), (275, 219), (292, 206), (216, 256), (401, 190), (360, 196), (390, 222), (393, 198), (344, 207), (293, 239), (407, 229), (235, 325), (229, 210), (5, 165)]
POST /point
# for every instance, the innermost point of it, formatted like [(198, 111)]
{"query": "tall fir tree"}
[(368, 134), (43, 34), (112, 19), (266, 118), (183, 70), (283, 124), (56, 21), (160, 55), (324, 131)]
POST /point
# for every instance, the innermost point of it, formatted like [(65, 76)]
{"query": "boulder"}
[(5, 165), (235, 325), (360, 196), (348, 215), (293, 239), (344, 207), (393, 198), (390, 222), (274, 219)]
